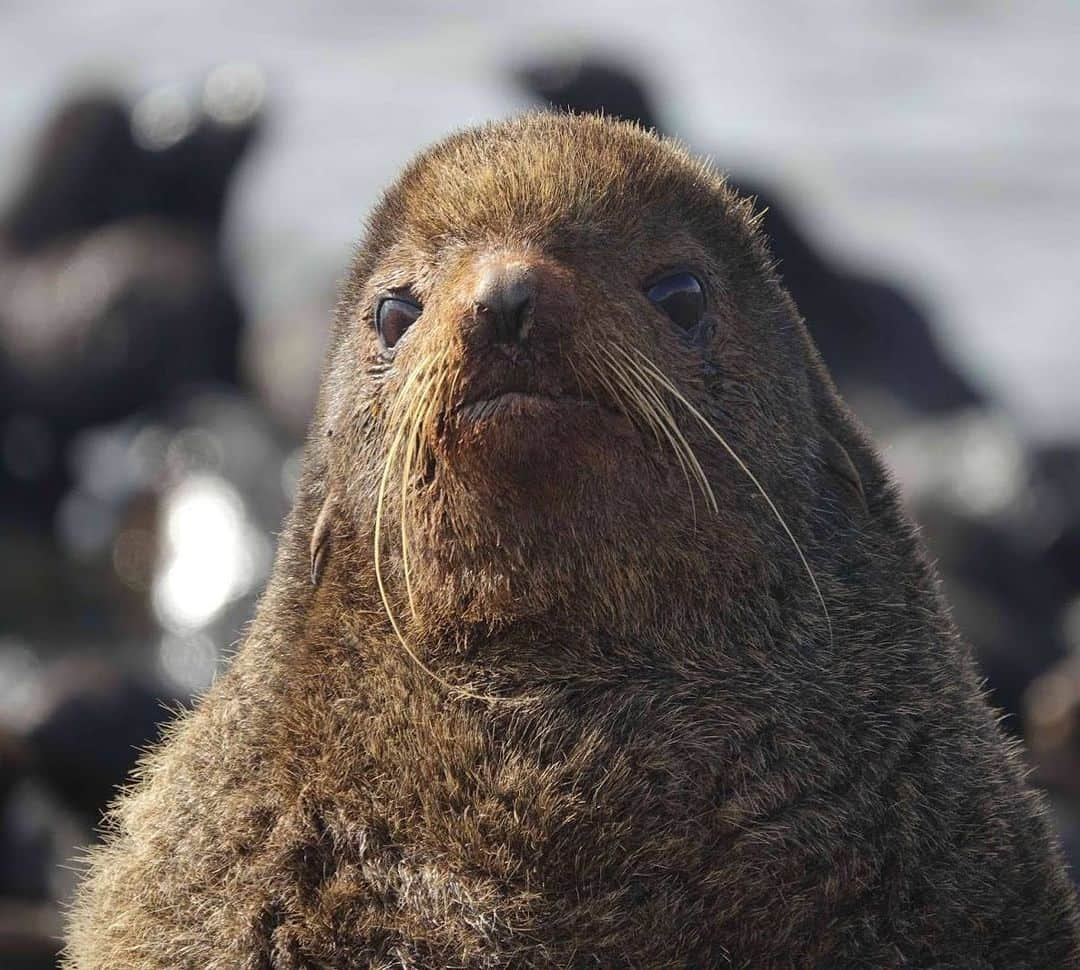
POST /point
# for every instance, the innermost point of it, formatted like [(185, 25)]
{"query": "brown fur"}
[(637, 738)]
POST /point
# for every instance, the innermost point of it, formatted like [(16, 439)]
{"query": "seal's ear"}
[(320, 541), (842, 471)]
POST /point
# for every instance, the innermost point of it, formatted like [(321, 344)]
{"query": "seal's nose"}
[(504, 299)]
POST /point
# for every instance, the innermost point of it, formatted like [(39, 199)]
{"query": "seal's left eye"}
[(393, 317), (681, 297)]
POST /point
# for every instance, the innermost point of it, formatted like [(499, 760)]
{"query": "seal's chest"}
[(499, 860)]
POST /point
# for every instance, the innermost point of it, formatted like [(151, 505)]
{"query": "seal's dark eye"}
[(393, 317), (681, 297)]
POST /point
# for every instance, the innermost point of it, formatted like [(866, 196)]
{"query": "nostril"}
[(505, 297)]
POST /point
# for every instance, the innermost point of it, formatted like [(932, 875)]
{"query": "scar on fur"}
[(838, 461), (320, 540)]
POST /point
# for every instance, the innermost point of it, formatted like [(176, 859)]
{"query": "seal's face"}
[(564, 373)]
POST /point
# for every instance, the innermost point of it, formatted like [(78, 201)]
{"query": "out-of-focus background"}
[(180, 188)]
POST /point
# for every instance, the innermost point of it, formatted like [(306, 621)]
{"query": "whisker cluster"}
[(423, 391), (657, 383)]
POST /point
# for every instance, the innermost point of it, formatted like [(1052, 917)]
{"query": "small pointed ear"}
[(842, 471), (321, 540)]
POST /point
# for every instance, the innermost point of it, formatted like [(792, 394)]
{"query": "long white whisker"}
[(705, 423)]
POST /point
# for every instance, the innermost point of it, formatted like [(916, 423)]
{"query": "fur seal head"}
[(563, 382)]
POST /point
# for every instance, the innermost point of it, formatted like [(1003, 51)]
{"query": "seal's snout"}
[(505, 300), (519, 310)]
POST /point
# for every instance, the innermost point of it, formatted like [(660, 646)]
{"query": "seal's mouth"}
[(521, 403)]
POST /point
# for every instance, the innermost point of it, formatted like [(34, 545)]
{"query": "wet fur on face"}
[(637, 665)]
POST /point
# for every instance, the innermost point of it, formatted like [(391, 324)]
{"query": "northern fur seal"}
[(596, 636)]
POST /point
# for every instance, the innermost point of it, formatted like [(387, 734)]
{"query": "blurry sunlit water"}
[(213, 554)]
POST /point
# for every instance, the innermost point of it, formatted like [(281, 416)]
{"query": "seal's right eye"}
[(681, 296), (393, 316)]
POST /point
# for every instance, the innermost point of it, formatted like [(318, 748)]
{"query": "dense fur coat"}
[(639, 736)]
